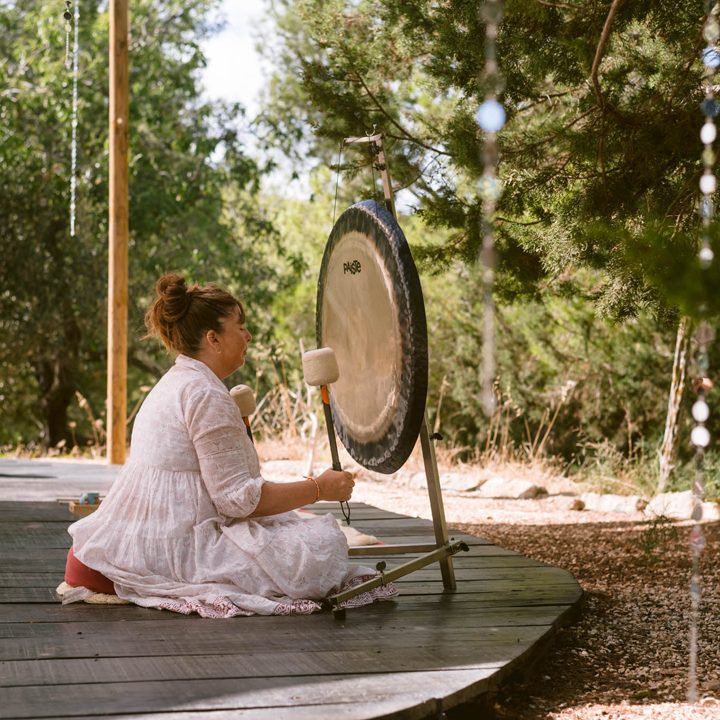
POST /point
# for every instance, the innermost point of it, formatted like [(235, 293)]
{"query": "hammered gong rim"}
[(401, 428)]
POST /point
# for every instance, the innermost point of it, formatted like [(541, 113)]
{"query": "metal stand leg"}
[(441, 552), (436, 504)]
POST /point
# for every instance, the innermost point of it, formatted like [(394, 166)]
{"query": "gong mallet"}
[(245, 400), (320, 368)]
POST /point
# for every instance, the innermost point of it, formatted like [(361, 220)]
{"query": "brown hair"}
[(181, 315)]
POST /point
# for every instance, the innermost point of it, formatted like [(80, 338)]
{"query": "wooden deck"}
[(416, 657)]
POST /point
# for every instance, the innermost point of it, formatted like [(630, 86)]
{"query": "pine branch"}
[(405, 133), (562, 6), (600, 51)]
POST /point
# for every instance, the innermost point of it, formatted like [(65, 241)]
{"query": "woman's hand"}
[(335, 485)]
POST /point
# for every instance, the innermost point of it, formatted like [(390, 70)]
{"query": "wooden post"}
[(118, 234)]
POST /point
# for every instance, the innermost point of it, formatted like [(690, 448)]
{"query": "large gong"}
[(370, 311)]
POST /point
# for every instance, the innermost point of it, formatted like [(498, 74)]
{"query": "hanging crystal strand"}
[(68, 28), (73, 144), (491, 118), (700, 437)]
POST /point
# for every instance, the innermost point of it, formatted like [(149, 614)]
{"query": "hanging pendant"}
[(700, 435), (74, 121), (490, 118), (68, 29)]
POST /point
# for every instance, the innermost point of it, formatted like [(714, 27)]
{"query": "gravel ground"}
[(627, 654)]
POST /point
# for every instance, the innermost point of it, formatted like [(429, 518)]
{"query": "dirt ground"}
[(626, 656)]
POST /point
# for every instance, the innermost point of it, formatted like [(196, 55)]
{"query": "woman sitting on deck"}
[(190, 525)]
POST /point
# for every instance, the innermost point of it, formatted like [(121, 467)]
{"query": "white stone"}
[(677, 505), (497, 487), (449, 481), (609, 503), (418, 480), (460, 482)]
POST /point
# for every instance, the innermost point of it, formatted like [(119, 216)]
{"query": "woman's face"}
[(234, 340)]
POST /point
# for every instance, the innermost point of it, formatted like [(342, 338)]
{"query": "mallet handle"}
[(246, 420), (330, 428), (344, 506)]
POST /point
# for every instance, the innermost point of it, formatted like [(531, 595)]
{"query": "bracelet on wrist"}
[(317, 487)]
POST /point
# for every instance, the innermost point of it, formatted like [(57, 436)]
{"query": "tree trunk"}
[(56, 374), (668, 449)]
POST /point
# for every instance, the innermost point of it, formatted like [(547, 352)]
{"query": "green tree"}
[(599, 158), (191, 202)]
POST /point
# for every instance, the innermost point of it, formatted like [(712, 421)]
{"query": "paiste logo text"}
[(353, 267)]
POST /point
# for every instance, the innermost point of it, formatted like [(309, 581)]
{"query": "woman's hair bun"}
[(181, 315), (173, 296)]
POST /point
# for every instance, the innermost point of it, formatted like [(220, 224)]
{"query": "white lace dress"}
[(173, 531)]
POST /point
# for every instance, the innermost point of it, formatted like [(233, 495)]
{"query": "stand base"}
[(437, 555)]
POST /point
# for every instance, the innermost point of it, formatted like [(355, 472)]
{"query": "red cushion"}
[(79, 575)]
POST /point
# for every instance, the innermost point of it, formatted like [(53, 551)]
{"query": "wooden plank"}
[(53, 559), (394, 527), (18, 652), (28, 595), (410, 606), (383, 654), (191, 696), (479, 550), (160, 625), (41, 541), (398, 707), (357, 512), (80, 612), (33, 491), (394, 708), (530, 588), (13, 527), (390, 529), (37, 512), (463, 572), (462, 560), (35, 565)]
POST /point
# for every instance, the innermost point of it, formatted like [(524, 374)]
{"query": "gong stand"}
[(442, 550)]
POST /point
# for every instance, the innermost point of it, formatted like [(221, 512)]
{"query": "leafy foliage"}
[(596, 169), (192, 203), (597, 227)]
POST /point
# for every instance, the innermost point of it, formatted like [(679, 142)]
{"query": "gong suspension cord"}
[(373, 152), (337, 178)]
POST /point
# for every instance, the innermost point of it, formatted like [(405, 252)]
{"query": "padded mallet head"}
[(244, 399), (320, 367)]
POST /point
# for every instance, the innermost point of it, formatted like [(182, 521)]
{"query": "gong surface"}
[(370, 311)]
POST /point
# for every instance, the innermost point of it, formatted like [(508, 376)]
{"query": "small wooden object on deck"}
[(88, 503)]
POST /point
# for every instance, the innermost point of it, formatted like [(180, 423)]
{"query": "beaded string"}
[(700, 437), (68, 29), (490, 117), (73, 143)]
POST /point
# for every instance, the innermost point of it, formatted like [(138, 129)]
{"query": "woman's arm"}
[(222, 448), (280, 497)]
